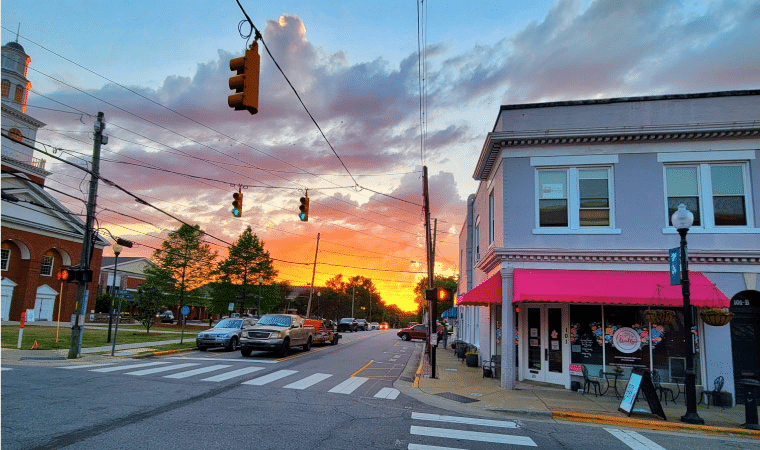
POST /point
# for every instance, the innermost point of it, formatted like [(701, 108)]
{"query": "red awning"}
[(484, 294), (612, 287)]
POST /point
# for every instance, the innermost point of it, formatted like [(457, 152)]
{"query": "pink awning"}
[(612, 287), (484, 294)]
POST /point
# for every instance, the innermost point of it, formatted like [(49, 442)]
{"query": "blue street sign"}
[(675, 266), (185, 310)]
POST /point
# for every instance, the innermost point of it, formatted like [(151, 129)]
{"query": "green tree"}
[(439, 281), (150, 302), (184, 262)]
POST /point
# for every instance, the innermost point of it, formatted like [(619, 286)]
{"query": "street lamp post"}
[(258, 310), (682, 220), (116, 250)]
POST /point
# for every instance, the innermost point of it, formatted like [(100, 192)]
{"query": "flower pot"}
[(660, 316), (472, 360), (716, 318)]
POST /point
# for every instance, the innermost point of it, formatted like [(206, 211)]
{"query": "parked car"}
[(167, 317), (413, 332), (225, 334), (374, 326), (362, 324), (277, 332), (348, 324), (384, 326)]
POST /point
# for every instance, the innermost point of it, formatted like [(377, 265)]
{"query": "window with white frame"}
[(46, 268), (575, 198), (491, 218), (716, 193), (476, 239), (6, 258)]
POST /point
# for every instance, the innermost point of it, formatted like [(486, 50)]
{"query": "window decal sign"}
[(626, 340)]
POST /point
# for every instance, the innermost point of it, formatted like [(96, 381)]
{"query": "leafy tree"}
[(103, 303), (150, 303), (245, 263), (183, 263)]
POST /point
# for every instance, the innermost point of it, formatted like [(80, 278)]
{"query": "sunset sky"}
[(159, 72)]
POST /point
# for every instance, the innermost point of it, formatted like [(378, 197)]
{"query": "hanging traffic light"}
[(246, 82), (304, 208), (237, 204)]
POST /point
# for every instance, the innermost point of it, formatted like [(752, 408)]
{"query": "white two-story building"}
[(565, 243)]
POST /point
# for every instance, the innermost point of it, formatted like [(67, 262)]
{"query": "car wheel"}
[(405, 337), (203, 349), (285, 349), (355, 329), (232, 346), (245, 351), (307, 345)]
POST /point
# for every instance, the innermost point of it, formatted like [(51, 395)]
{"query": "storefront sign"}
[(626, 340), (576, 369)]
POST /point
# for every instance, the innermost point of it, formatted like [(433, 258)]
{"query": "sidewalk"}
[(466, 386)]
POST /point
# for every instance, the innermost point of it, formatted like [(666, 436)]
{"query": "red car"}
[(413, 332)]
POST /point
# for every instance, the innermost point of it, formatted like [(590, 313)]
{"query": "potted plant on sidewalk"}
[(471, 357)]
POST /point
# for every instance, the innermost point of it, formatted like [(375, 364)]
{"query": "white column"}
[(508, 369)]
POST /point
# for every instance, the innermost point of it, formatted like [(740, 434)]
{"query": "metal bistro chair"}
[(588, 382), (491, 366), (713, 395), (661, 390)]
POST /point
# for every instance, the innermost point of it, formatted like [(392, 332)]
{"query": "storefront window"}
[(586, 337)]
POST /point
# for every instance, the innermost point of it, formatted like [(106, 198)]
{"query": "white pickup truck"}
[(277, 332)]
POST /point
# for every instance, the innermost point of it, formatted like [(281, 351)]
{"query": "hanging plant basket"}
[(660, 316), (716, 317)]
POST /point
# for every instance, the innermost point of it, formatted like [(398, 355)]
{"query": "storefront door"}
[(547, 344)]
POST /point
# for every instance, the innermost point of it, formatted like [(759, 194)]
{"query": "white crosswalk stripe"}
[(348, 386), (86, 366), (232, 374), (634, 440), (140, 373), (445, 432), (131, 366), (194, 372), (387, 393), (309, 381), (260, 381)]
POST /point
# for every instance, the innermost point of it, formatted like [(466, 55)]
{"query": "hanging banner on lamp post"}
[(675, 266)]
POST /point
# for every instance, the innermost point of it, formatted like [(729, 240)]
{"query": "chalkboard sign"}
[(641, 380)]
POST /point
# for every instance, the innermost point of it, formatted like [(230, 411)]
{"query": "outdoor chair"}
[(588, 382), (661, 390), (491, 366), (713, 395)]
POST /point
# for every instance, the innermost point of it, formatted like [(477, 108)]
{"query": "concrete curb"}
[(649, 424)]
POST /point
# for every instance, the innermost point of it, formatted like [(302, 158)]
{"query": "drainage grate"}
[(456, 397)]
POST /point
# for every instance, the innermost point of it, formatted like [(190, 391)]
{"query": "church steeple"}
[(15, 63)]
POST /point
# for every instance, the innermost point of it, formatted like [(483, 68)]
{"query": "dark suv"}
[(362, 324), (348, 324)]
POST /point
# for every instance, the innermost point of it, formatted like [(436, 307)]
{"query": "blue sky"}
[(355, 65)]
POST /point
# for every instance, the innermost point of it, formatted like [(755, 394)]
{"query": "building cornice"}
[(11, 111), (497, 256), (496, 141)]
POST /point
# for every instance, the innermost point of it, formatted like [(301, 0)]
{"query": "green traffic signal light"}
[(237, 204), (304, 208)]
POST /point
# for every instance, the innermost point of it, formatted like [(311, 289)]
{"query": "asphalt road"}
[(330, 398)]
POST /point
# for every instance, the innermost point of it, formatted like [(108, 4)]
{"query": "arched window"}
[(15, 134), (6, 88), (19, 97)]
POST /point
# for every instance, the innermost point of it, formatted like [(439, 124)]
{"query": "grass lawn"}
[(92, 337)]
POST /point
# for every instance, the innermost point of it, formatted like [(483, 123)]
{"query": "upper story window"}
[(46, 269), (15, 134), (491, 217), (716, 193), (6, 88), (476, 239), (19, 96), (6, 258)]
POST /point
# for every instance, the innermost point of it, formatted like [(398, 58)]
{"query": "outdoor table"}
[(607, 376)]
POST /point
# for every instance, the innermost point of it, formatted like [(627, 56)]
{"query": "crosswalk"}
[(429, 429), (217, 373)]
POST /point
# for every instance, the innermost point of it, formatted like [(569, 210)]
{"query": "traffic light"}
[(237, 204), (246, 82), (75, 275), (304, 214)]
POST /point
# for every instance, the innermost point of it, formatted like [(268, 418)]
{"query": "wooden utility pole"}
[(313, 272)]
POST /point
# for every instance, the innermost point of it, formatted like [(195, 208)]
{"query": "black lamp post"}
[(116, 250), (682, 220)]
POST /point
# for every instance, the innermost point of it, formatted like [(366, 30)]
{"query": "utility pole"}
[(77, 327), (433, 310), (313, 272), (353, 297)]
